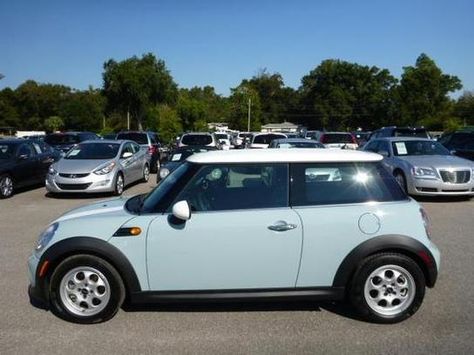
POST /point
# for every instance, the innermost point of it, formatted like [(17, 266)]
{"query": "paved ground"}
[(444, 324)]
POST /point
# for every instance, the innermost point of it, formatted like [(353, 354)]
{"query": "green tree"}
[(54, 123), (342, 95), (169, 124), (238, 108), (423, 94), (9, 116), (464, 108), (84, 110), (136, 84), (276, 100)]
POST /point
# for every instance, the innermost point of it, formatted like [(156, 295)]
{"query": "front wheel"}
[(146, 173), (387, 288), (86, 289), (6, 186), (119, 185)]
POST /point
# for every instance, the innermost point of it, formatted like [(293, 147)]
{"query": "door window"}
[(339, 183), (26, 150), (127, 148), (243, 186)]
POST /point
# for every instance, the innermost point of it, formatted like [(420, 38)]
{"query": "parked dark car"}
[(23, 163), (460, 143), (178, 156), (394, 131), (65, 141), (149, 141)]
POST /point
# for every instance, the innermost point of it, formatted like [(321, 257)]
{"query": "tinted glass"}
[(406, 132), (241, 186), (266, 138), (140, 138), (418, 148), (7, 150), (93, 151), (330, 138), (196, 139), (308, 144), (222, 136), (56, 139), (340, 183), (462, 141), (26, 149)]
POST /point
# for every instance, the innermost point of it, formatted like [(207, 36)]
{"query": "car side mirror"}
[(452, 151), (181, 210), (383, 153), (23, 157), (126, 155)]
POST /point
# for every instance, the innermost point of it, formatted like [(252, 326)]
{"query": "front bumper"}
[(436, 187), (35, 293), (92, 183)]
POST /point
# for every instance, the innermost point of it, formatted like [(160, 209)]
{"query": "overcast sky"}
[(219, 43)]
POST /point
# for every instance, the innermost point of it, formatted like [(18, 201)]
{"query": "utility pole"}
[(248, 118), (128, 120)]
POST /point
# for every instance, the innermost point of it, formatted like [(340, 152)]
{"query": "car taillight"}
[(323, 138), (152, 150), (354, 140), (426, 222)]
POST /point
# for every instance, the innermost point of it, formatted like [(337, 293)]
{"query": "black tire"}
[(401, 179), (118, 190), (65, 308), (146, 173), (6, 186), (365, 302)]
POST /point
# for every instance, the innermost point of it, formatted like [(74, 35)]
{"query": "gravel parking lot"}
[(443, 325)]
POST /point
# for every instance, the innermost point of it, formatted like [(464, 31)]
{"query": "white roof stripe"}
[(283, 156)]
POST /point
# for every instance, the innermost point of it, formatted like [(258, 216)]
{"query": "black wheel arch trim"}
[(91, 246), (387, 243)]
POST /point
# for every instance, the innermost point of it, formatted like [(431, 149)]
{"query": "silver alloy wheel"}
[(389, 290), (6, 186), (119, 184), (146, 173), (84, 291)]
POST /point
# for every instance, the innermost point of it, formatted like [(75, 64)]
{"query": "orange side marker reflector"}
[(135, 231), (44, 268)]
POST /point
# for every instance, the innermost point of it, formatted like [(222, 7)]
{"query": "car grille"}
[(74, 186), (455, 177), (73, 176)]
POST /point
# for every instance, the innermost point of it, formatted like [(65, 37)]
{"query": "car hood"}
[(106, 208), (437, 161), (78, 166)]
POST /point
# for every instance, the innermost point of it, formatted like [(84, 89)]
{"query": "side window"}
[(37, 148), (26, 150), (135, 148), (127, 148), (383, 145), (233, 187), (340, 183), (372, 146)]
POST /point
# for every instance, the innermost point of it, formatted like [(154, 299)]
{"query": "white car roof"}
[(301, 155)]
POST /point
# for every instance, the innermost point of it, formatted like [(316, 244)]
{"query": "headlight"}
[(52, 171), (45, 237), (164, 173), (423, 172), (104, 169)]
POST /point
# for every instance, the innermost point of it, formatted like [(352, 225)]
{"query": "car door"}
[(242, 234), (45, 159), (127, 162), (27, 169), (138, 162)]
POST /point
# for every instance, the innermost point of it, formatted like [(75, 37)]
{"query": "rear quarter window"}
[(342, 183)]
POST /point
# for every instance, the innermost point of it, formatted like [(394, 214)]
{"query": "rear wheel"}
[(146, 173), (6, 186), (86, 289), (387, 288)]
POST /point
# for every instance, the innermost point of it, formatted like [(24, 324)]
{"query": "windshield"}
[(407, 132), (418, 148), (56, 139), (329, 138), (266, 138), (245, 135), (300, 145), (140, 138), (163, 194), (6, 150), (222, 136), (93, 151), (196, 139)]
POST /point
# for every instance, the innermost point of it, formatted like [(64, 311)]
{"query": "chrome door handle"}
[(282, 226)]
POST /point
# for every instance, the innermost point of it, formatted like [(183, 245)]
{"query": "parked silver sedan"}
[(99, 166), (424, 167)]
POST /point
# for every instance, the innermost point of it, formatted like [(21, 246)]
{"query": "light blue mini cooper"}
[(242, 225)]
